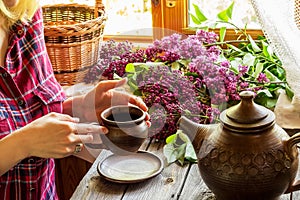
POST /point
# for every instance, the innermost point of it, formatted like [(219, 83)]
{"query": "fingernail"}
[(76, 119), (104, 130)]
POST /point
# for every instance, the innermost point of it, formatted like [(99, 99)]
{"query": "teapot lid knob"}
[(247, 115), (246, 111)]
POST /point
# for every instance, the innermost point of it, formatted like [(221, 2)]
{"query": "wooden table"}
[(174, 182)]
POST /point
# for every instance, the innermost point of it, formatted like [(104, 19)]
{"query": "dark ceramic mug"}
[(127, 129)]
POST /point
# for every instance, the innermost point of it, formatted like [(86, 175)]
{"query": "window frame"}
[(163, 17), (167, 20)]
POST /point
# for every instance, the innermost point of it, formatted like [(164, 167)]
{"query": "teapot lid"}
[(247, 115)]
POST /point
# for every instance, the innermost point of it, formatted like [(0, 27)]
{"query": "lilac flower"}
[(206, 37), (225, 64), (262, 78), (243, 69), (191, 90), (109, 51), (170, 43)]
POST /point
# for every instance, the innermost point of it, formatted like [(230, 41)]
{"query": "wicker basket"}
[(73, 34), (297, 13)]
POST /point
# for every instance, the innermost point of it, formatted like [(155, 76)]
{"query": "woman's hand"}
[(51, 136), (56, 135), (104, 95)]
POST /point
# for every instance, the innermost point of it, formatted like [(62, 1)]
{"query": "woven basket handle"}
[(98, 3)]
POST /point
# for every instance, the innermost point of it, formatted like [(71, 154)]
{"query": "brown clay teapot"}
[(247, 156)]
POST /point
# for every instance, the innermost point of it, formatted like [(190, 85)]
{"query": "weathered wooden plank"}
[(92, 186), (69, 172), (194, 187), (165, 186), (286, 197), (296, 195), (174, 182)]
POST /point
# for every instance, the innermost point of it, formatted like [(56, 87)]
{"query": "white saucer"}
[(131, 168)]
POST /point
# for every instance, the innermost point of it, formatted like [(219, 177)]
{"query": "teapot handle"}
[(289, 143)]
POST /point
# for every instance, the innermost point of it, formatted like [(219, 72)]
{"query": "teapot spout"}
[(196, 132)]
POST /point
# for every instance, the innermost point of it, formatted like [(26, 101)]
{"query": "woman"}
[(37, 122)]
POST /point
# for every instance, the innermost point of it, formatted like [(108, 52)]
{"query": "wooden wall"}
[(69, 172)]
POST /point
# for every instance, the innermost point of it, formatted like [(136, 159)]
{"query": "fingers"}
[(110, 84), (148, 123), (84, 128), (138, 102), (85, 132), (84, 139), (63, 117)]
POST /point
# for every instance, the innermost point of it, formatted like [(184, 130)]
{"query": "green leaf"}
[(226, 14), (170, 153), (264, 100), (191, 74), (249, 59), (171, 139), (181, 152), (223, 16), (289, 92), (190, 153), (179, 147), (234, 48), (271, 76), (278, 72), (255, 47), (187, 112), (134, 77), (137, 92), (175, 66), (133, 86), (258, 69), (184, 62), (200, 16), (222, 34), (229, 10), (195, 19), (270, 51), (235, 63), (271, 103), (265, 92), (265, 50), (130, 68)]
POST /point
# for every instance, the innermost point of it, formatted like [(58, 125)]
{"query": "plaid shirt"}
[(28, 90)]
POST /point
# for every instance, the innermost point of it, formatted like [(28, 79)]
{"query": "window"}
[(125, 17), (144, 20), (132, 17), (243, 12)]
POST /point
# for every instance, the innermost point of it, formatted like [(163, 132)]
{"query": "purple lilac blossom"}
[(169, 93), (262, 78)]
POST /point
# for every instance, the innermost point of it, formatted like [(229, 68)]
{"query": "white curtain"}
[(277, 18)]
